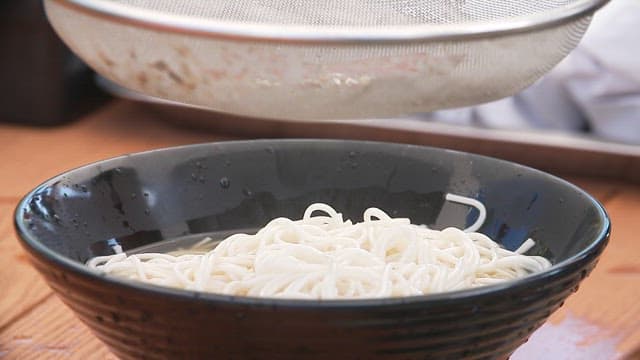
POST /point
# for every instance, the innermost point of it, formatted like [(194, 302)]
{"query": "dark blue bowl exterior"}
[(143, 198)]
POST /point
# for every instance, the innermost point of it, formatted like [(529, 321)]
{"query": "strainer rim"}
[(319, 34)]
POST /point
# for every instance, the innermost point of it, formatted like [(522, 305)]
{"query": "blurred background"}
[(42, 82)]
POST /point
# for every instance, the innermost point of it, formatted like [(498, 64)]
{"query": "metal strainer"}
[(323, 59)]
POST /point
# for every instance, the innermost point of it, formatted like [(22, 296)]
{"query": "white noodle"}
[(526, 246), (326, 257), (117, 249), (482, 212)]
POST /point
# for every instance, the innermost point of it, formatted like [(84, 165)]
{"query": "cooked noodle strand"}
[(323, 256)]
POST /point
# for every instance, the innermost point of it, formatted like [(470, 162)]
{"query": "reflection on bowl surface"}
[(138, 200)]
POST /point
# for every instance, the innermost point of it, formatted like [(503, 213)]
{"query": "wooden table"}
[(601, 321)]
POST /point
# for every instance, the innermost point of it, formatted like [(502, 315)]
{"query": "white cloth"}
[(596, 88)]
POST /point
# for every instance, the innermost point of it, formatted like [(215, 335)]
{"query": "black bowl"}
[(144, 198)]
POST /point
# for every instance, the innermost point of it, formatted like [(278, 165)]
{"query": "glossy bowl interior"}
[(144, 198)]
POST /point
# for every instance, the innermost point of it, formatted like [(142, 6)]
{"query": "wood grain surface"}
[(600, 321)]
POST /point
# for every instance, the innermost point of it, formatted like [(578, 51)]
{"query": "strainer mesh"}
[(370, 13), (316, 80)]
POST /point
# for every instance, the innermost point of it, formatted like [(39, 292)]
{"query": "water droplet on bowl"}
[(145, 194), (225, 183), (194, 176), (247, 192), (133, 195), (147, 211), (352, 154), (202, 179)]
